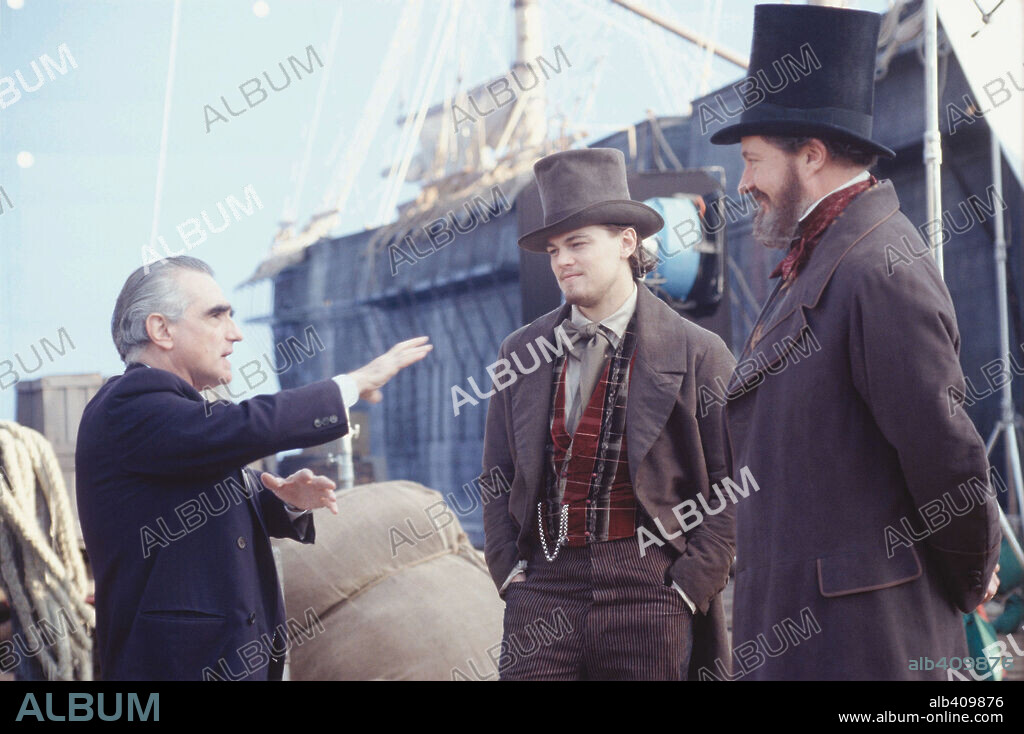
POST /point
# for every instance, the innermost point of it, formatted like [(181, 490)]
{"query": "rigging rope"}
[(168, 90), (292, 207)]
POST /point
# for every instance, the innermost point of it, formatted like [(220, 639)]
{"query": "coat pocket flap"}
[(857, 572), (183, 615)]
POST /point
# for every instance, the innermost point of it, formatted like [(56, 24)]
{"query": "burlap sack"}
[(396, 589)]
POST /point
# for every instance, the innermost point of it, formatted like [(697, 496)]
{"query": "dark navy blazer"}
[(177, 532)]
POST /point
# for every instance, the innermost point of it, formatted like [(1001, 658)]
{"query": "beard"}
[(776, 227), (581, 299)]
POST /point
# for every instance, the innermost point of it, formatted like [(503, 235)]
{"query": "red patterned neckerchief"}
[(814, 225)]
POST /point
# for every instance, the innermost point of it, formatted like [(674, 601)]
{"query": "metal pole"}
[(932, 137), (1007, 419), (730, 56), (1011, 538)]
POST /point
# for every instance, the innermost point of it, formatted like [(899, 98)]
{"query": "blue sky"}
[(84, 208)]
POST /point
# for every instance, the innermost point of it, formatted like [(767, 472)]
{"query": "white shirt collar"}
[(862, 176), (618, 321)]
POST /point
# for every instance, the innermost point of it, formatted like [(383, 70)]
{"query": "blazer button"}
[(978, 587), (316, 422), (252, 619), (241, 543)]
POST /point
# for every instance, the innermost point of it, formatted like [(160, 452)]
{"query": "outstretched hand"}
[(303, 489), (370, 378)]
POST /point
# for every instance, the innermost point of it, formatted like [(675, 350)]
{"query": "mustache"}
[(757, 195)]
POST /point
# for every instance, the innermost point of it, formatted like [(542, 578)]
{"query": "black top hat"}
[(583, 187), (835, 101)]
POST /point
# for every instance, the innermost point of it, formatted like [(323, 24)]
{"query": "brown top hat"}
[(583, 187)]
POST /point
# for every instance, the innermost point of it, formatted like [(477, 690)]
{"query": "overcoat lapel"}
[(530, 400), (781, 327), (657, 374), (766, 348), (250, 485)]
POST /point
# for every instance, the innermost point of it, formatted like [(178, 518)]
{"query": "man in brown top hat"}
[(875, 527), (599, 444)]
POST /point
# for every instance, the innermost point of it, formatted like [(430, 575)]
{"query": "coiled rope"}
[(51, 583)]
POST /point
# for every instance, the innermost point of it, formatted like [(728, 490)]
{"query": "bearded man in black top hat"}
[(876, 525), (600, 442)]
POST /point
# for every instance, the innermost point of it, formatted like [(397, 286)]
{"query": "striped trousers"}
[(597, 612)]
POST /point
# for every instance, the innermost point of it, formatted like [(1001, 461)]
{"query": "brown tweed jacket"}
[(674, 454)]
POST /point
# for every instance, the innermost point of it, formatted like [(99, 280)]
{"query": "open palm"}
[(303, 489)]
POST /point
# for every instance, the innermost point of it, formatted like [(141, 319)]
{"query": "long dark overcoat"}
[(186, 587), (873, 527)]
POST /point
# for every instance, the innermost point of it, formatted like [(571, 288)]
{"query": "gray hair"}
[(152, 288)]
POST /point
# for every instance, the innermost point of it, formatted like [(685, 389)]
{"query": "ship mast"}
[(529, 32)]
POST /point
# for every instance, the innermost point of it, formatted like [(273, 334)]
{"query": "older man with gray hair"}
[(176, 528)]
